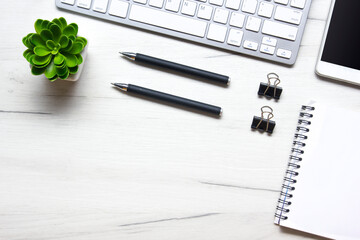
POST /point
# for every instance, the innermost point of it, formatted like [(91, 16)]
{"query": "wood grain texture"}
[(85, 161)]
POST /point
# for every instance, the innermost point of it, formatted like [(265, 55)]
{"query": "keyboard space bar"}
[(168, 20)]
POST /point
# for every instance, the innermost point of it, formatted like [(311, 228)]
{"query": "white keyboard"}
[(269, 29)]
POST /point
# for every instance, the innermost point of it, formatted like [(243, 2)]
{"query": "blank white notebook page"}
[(326, 199)]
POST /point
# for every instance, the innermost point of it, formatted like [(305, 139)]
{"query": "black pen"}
[(169, 98), (177, 67)]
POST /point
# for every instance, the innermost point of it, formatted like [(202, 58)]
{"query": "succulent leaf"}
[(50, 71), (46, 35), (50, 44), (65, 76), (64, 41), (69, 46), (37, 71), (73, 38), (44, 25), (27, 52), (41, 60), (77, 47), (41, 51), (27, 42), (77, 40), (57, 22), (62, 65), (79, 58), (29, 58), (69, 30), (70, 59), (75, 26), (59, 59), (63, 22), (74, 70), (61, 71), (38, 24), (83, 40), (54, 78), (36, 40), (56, 31)]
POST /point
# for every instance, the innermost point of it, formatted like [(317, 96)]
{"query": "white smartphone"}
[(339, 56)]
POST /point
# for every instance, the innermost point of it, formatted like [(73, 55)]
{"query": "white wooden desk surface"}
[(85, 161)]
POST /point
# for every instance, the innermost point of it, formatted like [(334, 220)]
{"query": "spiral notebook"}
[(321, 189)]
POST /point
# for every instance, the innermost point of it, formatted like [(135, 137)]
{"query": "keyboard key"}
[(233, 4), (172, 5), (279, 30), (217, 32), (100, 6), (140, 1), (253, 24), (168, 20), (283, 53), (221, 15), (267, 49), (217, 2), (189, 8), (298, 3), (285, 2), (237, 20), (205, 11), (288, 15), (249, 6), (235, 37), (118, 8), (84, 4), (251, 45), (269, 41), (156, 3), (70, 2), (265, 9)]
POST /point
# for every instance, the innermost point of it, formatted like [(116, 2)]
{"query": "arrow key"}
[(251, 45), (267, 49), (283, 53)]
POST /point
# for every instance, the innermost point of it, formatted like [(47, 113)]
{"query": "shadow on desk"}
[(61, 93), (293, 232)]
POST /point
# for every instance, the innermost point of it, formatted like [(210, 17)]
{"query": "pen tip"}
[(229, 80), (113, 84), (129, 55)]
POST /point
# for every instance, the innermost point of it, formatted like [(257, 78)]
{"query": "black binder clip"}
[(268, 90), (264, 124)]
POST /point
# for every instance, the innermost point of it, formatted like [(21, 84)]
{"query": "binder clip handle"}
[(275, 77), (270, 116), (268, 90), (263, 123)]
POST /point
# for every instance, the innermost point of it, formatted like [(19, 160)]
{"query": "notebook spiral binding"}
[(288, 187)]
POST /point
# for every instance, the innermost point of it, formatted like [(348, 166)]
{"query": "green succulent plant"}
[(54, 49)]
